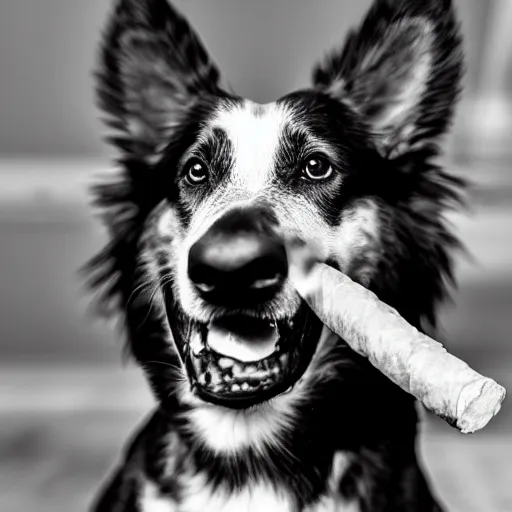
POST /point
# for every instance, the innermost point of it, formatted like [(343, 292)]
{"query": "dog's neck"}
[(291, 442)]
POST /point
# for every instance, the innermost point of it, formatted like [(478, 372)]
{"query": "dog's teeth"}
[(197, 365), (196, 344), (215, 378), (226, 363), (197, 351), (223, 374), (259, 375)]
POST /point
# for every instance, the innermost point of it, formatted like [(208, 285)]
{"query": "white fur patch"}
[(254, 130), (226, 430), (152, 501), (197, 495), (256, 497), (334, 504)]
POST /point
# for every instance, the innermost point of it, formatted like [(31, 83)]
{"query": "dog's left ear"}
[(153, 69), (401, 71)]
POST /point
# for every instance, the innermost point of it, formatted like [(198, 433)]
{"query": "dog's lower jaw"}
[(261, 427)]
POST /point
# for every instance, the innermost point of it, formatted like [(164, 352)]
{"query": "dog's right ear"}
[(153, 68), (400, 71)]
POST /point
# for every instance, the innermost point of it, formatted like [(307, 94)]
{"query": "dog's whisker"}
[(174, 366), (165, 280), (138, 289), (150, 305)]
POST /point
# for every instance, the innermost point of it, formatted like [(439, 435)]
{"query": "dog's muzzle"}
[(241, 358), (239, 262)]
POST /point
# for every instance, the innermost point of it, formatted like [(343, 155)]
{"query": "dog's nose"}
[(239, 262)]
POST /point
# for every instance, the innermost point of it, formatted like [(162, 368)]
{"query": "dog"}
[(260, 407)]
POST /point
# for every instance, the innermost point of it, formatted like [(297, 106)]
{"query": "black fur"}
[(353, 409)]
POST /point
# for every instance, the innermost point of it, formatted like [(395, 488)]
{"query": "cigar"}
[(421, 366)]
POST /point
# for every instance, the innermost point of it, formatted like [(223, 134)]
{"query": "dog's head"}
[(211, 183)]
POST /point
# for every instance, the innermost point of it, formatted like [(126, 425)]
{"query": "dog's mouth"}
[(238, 361)]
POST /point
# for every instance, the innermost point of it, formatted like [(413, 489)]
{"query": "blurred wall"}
[(265, 48), (62, 391)]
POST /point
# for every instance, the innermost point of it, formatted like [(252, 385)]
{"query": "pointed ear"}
[(401, 71), (153, 68)]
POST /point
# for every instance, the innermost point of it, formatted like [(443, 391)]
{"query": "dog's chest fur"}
[(197, 495)]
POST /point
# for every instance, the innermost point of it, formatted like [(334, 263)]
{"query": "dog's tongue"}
[(244, 339)]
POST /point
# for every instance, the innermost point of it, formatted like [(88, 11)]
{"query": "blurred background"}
[(68, 401)]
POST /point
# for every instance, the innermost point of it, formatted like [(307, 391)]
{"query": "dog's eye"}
[(197, 173), (317, 168)]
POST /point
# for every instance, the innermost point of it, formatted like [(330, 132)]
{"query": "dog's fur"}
[(343, 437)]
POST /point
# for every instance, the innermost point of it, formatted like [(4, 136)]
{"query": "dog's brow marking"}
[(254, 131), (215, 147)]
